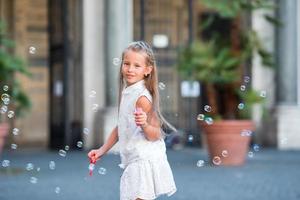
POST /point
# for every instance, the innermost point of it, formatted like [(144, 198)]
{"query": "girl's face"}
[(134, 67)]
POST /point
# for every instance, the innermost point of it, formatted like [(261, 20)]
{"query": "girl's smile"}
[(134, 67)]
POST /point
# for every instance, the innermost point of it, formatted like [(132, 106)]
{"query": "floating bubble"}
[(241, 106), (67, 147), (93, 94), (200, 117), (217, 160), (14, 146), (190, 138), (250, 154), (15, 131), (32, 50), (283, 141), (6, 101), (5, 97), (29, 166), (79, 144), (38, 169), (86, 131), (256, 147), (247, 133), (225, 153), (5, 88), (52, 165), (209, 120), (62, 153), (33, 180), (176, 114), (3, 109), (246, 79), (5, 163), (200, 163), (116, 61), (102, 171), (263, 94), (161, 85), (57, 190), (243, 87), (10, 114), (207, 108), (95, 107)]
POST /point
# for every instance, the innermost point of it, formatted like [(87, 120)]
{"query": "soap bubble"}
[(3, 109), (5, 163), (263, 94), (209, 120), (15, 131), (62, 153), (10, 114), (241, 106), (33, 180), (207, 108), (57, 190), (200, 163), (32, 50), (14, 146), (250, 154), (247, 133), (116, 61), (161, 85), (102, 171), (67, 147), (256, 147), (86, 131), (225, 153), (29, 166), (190, 138), (5, 97), (200, 117), (5, 88), (243, 87), (93, 94), (95, 107), (217, 160), (52, 165), (246, 79), (79, 144)]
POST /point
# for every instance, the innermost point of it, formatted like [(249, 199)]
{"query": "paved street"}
[(269, 174)]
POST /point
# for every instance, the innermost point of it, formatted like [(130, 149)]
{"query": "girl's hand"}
[(140, 117), (95, 155)]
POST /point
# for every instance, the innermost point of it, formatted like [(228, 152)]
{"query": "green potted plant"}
[(219, 63), (13, 100)]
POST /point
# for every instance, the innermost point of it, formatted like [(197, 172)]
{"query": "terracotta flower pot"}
[(4, 128), (228, 140)]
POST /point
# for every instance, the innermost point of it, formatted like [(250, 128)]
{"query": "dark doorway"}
[(65, 72)]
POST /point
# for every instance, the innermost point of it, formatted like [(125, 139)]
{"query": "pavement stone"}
[(269, 174)]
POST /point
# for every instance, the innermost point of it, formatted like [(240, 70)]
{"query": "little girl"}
[(147, 173)]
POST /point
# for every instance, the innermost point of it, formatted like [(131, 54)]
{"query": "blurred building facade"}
[(75, 68)]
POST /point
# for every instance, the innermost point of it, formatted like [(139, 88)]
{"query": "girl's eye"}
[(137, 66), (126, 64)]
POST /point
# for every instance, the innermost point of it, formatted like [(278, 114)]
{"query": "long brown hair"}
[(151, 81)]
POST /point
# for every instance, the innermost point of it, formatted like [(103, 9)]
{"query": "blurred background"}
[(70, 52)]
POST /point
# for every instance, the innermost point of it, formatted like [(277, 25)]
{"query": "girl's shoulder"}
[(146, 93)]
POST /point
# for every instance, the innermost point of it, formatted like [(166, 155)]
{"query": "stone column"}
[(93, 68), (119, 33), (263, 78), (288, 75)]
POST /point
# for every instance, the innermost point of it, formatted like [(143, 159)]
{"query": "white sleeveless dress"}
[(147, 173)]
